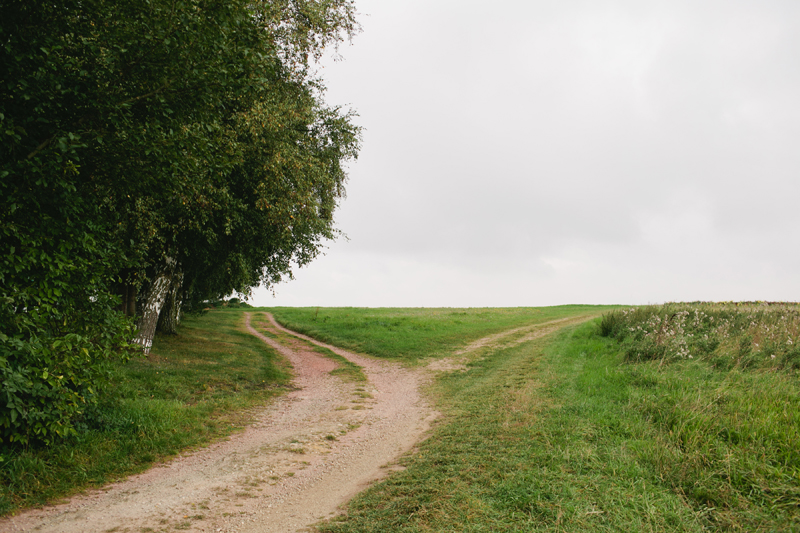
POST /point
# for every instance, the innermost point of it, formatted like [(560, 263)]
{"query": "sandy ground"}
[(309, 452)]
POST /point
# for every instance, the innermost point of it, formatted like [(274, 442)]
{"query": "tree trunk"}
[(154, 301), (130, 309), (170, 316), (127, 294)]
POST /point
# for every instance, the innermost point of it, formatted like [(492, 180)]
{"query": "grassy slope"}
[(556, 434), (415, 333), (533, 438), (195, 387), (564, 435)]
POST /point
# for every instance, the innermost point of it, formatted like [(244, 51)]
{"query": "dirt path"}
[(308, 453), (504, 339)]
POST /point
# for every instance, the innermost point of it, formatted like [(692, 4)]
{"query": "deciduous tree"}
[(153, 151)]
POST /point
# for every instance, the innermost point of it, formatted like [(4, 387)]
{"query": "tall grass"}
[(760, 335), (720, 384)]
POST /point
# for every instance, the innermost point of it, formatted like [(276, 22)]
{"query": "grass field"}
[(195, 387), (412, 334), (572, 434), (663, 418)]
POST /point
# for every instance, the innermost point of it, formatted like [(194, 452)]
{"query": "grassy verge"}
[(722, 387), (344, 369), (195, 387), (411, 334), (565, 435)]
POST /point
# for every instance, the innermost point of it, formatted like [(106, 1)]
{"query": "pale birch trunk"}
[(170, 316), (153, 303)]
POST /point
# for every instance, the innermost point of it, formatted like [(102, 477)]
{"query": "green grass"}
[(723, 389), (344, 369), (411, 334), (564, 435), (195, 387)]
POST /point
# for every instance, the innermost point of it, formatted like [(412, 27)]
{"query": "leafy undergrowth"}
[(566, 435), (411, 334), (195, 387)]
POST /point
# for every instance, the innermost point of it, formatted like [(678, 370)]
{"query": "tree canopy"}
[(154, 152)]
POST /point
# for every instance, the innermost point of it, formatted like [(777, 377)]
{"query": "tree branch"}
[(40, 147), (148, 95)]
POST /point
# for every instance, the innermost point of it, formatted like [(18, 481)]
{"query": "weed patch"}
[(727, 335)]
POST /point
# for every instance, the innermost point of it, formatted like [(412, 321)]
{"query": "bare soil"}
[(308, 453)]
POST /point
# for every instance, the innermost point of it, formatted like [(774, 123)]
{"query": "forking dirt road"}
[(306, 455)]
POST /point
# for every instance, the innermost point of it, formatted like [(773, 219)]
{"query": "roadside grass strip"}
[(562, 434), (345, 369), (412, 334), (195, 387)]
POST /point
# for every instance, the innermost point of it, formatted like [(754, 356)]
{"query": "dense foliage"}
[(154, 152)]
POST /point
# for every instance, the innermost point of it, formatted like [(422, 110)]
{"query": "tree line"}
[(155, 154)]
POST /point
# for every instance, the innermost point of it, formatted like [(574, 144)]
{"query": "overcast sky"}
[(534, 153)]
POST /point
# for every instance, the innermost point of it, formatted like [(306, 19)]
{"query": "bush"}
[(59, 329), (47, 382)]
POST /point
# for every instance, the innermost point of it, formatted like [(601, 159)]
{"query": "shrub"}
[(48, 383)]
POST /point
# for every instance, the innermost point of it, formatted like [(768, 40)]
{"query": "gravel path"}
[(309, 452)]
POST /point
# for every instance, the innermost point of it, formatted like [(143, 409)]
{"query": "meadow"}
[(680, 417), (415, 334), (649, 419)]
